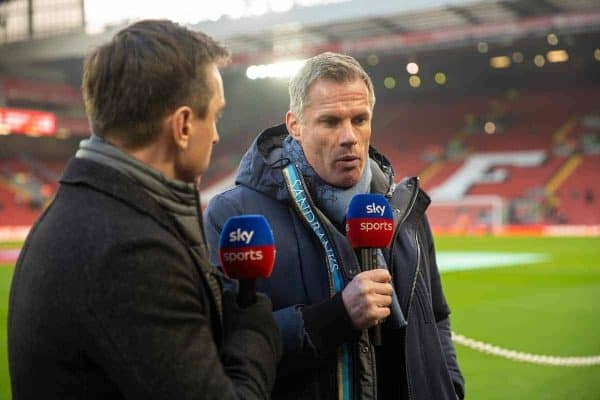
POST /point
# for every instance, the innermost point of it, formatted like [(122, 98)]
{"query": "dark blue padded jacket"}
[(313, 323)]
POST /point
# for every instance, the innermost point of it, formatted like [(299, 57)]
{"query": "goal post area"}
[(476, 214)]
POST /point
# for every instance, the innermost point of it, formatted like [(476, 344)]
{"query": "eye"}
[(360, 120), (329, 121)]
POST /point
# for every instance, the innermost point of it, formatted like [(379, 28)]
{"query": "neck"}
[(155, 157), (155, 154)]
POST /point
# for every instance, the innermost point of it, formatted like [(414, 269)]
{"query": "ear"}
[(181, 126), (292, 122)]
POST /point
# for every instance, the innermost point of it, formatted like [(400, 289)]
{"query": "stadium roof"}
[(361, 19), (351, 27)]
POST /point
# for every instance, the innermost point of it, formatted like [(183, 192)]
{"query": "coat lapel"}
[(113, 183)]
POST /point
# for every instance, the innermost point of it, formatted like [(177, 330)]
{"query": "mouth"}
[(348, 161)]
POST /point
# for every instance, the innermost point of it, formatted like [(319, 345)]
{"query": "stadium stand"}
[(577, 197), (26, 187), (459, 104), (434, 129), (421, 139), (555, 191)]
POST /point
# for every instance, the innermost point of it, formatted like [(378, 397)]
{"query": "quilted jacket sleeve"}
[(442, 313)]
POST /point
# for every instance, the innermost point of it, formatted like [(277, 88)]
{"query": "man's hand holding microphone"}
[(367, 298), (369, 226), (247, 252)]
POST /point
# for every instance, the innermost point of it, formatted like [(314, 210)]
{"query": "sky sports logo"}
[(375, 208), (246, 247), (235, 254), (367, 226), (375, 224), (241, 254), (370, 221), (240, 235)]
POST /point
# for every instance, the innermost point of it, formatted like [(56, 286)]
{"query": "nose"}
[(216, 136), (347, 135)]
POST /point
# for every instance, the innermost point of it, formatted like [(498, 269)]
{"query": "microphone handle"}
[(246, 293), (368, 261)]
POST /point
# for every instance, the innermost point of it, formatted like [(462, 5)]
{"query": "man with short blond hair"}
[(302, 175)]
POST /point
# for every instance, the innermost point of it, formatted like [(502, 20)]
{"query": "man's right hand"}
[(367, 297), (257, 316)]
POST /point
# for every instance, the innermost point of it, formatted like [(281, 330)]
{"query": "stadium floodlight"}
[(552, 39), (282, 69), (517, 57), (412, 68), (440, 78), (539, 60), (372, 59), (414, 81), (482, 47), (489, 128), (500, 62), (389, 82), (556, 56)]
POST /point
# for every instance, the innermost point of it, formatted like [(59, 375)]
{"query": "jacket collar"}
[(115, 184), (260, 170)]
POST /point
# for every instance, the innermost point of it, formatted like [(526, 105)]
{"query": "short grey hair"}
[(330, 66)]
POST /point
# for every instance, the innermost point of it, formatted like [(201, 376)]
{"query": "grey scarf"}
[(332, 200), (179, 199)]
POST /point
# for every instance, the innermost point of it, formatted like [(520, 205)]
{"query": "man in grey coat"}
[(302, 176), (113, 296)]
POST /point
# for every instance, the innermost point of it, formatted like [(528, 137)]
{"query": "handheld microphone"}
[(369, 226), (247, 252)]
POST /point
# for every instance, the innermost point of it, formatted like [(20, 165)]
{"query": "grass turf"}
[(548, 308), (6, 273)]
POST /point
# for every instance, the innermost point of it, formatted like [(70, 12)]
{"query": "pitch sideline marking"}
[(473, 260)]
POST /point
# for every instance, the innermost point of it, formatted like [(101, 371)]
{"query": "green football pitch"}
[(532, 295)]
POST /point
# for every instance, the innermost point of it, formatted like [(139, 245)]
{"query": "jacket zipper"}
[(417, 269), (412, 292), (413, 200)]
